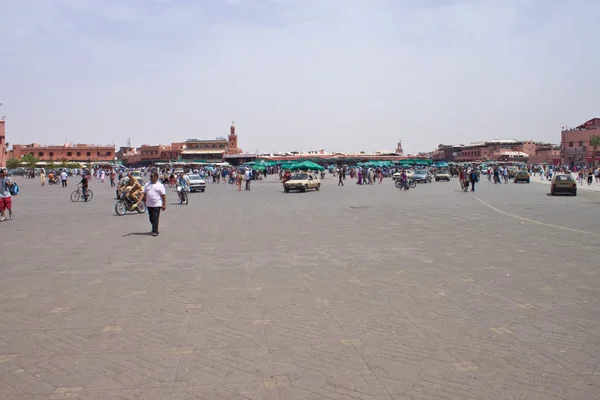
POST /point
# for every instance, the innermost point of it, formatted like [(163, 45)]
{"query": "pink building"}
[(575, 143), (3, 145)]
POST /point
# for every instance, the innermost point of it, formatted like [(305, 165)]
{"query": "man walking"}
[(156, 199), (248, 178), (5, 197), (63, 178), (341, 177), (474, 179)]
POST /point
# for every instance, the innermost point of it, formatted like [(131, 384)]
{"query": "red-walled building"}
[(498, 149), (65, 152), (576, 147)]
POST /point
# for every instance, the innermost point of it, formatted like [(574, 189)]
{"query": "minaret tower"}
[(233, 140), (399, 148)]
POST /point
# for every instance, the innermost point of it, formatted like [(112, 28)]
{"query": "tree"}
[(13, 163), (30, 160), (595, 143)]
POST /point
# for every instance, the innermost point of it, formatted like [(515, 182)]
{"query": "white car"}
[(197, 183)]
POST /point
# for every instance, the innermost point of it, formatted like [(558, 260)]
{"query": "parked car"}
[(422, 176), (522, 176), (123, 183), (197, 183), (302, 181), (443, 175), (17, 172), (563, 183)]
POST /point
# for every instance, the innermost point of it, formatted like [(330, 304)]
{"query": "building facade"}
[(210, 151), (3, 144), (493, 150), (576, 147), (66, 152)]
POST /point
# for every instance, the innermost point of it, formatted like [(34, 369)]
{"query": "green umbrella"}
[(307, 165)]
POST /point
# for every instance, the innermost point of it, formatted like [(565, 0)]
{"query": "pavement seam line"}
[(533, 221)]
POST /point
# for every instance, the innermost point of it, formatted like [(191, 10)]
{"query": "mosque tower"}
[(232, 140)]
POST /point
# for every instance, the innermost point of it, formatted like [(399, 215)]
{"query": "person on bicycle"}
[(133, 190), (84, 186)]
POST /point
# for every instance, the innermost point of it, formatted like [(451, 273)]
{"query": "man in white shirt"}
[(156, 199), (248, 178), (63, 178)]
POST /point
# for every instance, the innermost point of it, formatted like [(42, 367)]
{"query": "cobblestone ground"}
[(347, 293)]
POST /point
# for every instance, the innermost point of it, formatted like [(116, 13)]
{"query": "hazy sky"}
[(345, 75)]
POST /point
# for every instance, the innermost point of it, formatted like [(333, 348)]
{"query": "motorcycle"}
[(53, 181), (125, 204), (183, 195), (400, 184)]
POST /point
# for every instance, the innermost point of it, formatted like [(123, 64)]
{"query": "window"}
[(98, 153), (78, 153), (580, 144), (570, 144), (69, 154), (109, 153), (51, 154), (41, 154), (88, 153)]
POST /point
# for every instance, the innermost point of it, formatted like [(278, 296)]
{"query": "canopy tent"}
[(376, 164), (267, 163), (307, 166)]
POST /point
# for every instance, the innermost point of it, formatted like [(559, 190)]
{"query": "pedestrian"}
[(113, 175), (43, 177), (248, 178), (474, 178), (155, 197), (5, 197), (341, 178), (63, 178)]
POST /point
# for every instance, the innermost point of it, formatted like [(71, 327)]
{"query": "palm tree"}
[(595, 143)]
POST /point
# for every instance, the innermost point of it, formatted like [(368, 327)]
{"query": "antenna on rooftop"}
[(129, 142)]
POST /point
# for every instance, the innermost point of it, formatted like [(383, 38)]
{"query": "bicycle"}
[(78, 194)]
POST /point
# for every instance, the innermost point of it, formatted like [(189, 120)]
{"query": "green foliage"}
[(30, 160), (12, 163)]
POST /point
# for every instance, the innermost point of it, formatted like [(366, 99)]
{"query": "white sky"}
[(353, 75)]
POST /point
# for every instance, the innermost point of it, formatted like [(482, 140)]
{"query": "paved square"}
[(347, 293)]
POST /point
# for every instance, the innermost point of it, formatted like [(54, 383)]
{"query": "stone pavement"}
[(347, 293)]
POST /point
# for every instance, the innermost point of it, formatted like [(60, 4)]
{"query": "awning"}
[(200, 151)]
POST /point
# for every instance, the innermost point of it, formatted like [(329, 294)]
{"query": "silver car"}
[(422, 176), (197, 183)]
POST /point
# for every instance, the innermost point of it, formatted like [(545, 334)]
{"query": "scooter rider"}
[(133, 190), (183, 181), (404, 178)]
